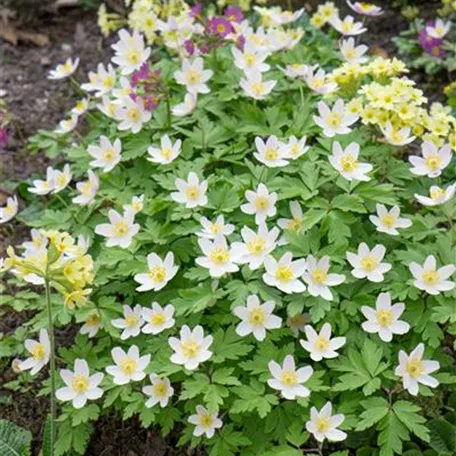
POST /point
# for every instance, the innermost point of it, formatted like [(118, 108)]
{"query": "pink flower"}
[(234, 14)]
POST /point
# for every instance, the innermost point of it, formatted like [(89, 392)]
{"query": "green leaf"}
[(375, 409), (408, 415), (442, 436), (348, 203), (14, 440)]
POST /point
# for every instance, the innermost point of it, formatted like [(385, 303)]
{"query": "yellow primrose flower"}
[(76, 298)]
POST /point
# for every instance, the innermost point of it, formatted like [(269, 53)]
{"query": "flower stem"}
[(52, 363)]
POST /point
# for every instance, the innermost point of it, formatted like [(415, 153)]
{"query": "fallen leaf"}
[(10, 33)]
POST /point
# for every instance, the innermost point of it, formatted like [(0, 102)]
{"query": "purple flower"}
[(234, 14), (430, 45), (150, 103), (3, 137), (240, 42), (189, 47), (139, 75), (196, 10), (219, 26)]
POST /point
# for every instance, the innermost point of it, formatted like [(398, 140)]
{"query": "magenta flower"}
[(140, 75), (234, 14), (219, 26), (430, 45), (196, 10), (189, 46), (240, 42), (3, 137)]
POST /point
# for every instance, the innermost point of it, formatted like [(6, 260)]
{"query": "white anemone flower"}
[(213, 229), (39, 351), (205, 422), (256, 318), (191, 192), (254, 86), (67, 125), (413, 370), (437, 195), (130, 51), (294, 148), (159, 391), (347, 163), (193, 76), (130, 323), (120, 230), (323, 424), (260, 203), (87, 190), (270, 153), (132, 115), (250, 58), (187, 106), (129, 366), (352, 53), (80, 386), (384, 319), (366, 9), (92, 325), (136, 205), (321, 345), (44, 187), (368, 263), (431, 279), (285, 274), (335, 121), (159, 273), (107, 155), (289, 380), (318, 279), (192, 348), (64, 70), (9, 211), (433, 162), (157, 318), (81, 107), (439, 30), (316, 80), (166, 153), (347, 26), (61, 179), (388, 221), (397, 137)]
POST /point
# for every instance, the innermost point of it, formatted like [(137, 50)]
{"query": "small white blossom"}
[(431, 279), (320, 345), (67, 125), (101, 82), (352, 53), (397, 137), (261, 203), (92, 325), (192, 193), (130, 323), (335, 121), (218, 257), (186, 107), (254, 86), (366, 9), (368, 263), (213, 229), (64, 70), (347, 26), (434, 160), (107, 155), (285, 273), (40, 352), (193, 76), (132, 115), (129, 366), (87, 190), (316, 80), (205, 422), (136, 205), (323, 424), (131, 52), (439, 29), (270, 153), (160, 391), (389, 221), (160, 272), (250, 58), (166, 153), (81, 107), (294, 148), (120, 230), (158, 318), (437, 195), (347, 163), (9, 211)]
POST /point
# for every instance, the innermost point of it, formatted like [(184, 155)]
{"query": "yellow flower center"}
[(80, 383), (131, 320), (433, 162), (133, 57), (120, 228), (215, 228), (93, 320), (320, 276), (137, 206), (369, 263), (80, 105), (133, 114), (61, 180), (431, 277), (349, 163), (284, 273), (160, 389), (206, 421), (294, 224), (385, 317), (86, 189), (109, 153), (437, 193), (108, 82), (256, 245), (334, 119), (157, 319), (271, 153), (321, 343), (289, 378), (389, 221), (128, 366), (193, 77), (414, 367), (257, 317), (38, 352), (190, 349), (158, 273), (258, 88), (219, 255), (192, 192), (167, 152), (322, 424), (261, 203)]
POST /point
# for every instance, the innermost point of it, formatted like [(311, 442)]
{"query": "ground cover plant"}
[(259, 247)]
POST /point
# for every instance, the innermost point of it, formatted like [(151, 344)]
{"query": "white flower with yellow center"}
[(110, 108), (120, 230), (439, 29), (364, 8), (250, 58), (159, 274), (186, 107), (323, 424), (136, 205), (131, 52), (260, 203), (437, 195), (213, 229), (129, 366), (285, 274), (92, 325), (433, 162), (294, 224), (159, 391), (166, 153), (39, 351), (64, 70), (254, 86), (298, 322), (192, 193), (335, 121), (413, 370), (101, 82), (193, 76), (352, 53), (132, 115), (81, 107), (431, 279), (288, 380), (80, 386), (130, 323), (347, 163), (219, 257), (61, 179), (295, 70), (318, 279), (294, 148), (368, 263), (67, 125), (106, 155), (256, 318), (9, 211), (124, 91), (270, 153), (87, 190), (192, 348), (384, 319), (37, 245), (395, 136), (316, 80), (389, 221), (157, 319), (347, 26), (205, 422), (256, 246), (320, 345)]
